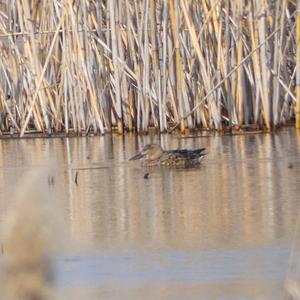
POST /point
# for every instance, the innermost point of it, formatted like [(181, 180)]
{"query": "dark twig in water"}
[(76, 177), (50, 180)]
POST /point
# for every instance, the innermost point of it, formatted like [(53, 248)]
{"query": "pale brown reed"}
[(79, 66)]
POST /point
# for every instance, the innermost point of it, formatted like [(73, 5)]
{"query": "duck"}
[(155, 155)]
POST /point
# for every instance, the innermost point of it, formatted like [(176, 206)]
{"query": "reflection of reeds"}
[(292, 284), (26, 273), (69, 65)]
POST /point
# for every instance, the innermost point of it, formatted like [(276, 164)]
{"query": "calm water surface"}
[(221, 231)]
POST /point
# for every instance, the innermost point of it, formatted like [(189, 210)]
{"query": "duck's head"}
[(149, 152)]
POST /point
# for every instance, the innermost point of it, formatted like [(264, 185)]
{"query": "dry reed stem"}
[(131, 65)]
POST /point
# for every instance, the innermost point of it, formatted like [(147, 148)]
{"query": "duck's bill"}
[(137, 156)]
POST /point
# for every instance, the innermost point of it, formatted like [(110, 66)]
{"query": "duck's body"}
[(154, 155)]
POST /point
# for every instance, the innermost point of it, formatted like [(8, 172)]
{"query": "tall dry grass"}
[(79, 66)]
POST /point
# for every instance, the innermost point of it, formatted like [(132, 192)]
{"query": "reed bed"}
[(131, 65)]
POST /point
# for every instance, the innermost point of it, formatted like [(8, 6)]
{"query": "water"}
[(221, 231)]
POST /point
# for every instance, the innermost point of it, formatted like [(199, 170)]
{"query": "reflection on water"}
[(221, 231)]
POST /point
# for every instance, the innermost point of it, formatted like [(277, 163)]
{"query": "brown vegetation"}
[(31, 235), (79, 66)]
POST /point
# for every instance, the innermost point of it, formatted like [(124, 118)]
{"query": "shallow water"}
[(220, 231)]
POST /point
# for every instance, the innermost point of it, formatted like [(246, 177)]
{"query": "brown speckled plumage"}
[(154, 155)]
